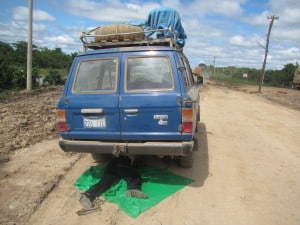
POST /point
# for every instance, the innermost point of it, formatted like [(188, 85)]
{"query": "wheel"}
[(187, 161), (198, 121), (196, 143), (101, 158)]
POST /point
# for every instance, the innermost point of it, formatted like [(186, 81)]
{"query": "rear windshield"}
[(148, 73), (96, 75)]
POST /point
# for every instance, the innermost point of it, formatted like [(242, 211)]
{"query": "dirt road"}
[(246, 171)]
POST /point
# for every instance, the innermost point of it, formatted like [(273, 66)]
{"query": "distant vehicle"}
[(197, 73), (296, 80)]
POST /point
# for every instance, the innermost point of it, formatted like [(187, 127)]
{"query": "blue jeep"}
[(137, 98)]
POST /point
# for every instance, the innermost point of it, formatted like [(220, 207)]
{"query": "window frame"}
[(127, 90), (75, 80), (188, 75)]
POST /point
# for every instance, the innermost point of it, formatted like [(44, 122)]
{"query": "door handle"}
[(131, 111)]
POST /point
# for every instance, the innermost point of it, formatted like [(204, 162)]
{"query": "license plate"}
[(94, 122)]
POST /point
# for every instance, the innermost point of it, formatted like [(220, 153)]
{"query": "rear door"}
[(92, 100), (150, 106)]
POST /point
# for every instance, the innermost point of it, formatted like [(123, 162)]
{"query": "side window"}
[(183, 70), (188, 76), (148, 73), (96, 75)]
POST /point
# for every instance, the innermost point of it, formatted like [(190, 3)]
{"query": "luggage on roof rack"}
[(165, 17), (118, 32), (123, 35)]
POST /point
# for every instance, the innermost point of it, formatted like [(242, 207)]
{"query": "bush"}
[(19, 77), (13, 65), (54, 78)]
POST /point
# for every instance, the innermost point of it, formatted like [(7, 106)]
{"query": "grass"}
[(45, 71), (4, 93), (234, 80)]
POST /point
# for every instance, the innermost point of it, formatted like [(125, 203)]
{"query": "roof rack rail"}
[(88, 39)]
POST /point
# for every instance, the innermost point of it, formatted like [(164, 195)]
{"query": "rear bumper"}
[(147, 148)]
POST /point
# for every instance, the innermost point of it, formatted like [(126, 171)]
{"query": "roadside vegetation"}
[(276, 78), (50, 67)]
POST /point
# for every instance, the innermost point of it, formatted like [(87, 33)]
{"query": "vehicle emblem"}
[(162, 119)]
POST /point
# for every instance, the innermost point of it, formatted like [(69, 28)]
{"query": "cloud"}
[(197, 29), (66, 42), (215, 28), (286, 54), (60, 39), (278, 5), (257, 20), (42, 16), (248, 42), (222, 8), (290, 16), (21, 14), (286, 35), (18, 31), (228, 8), (110, 11)]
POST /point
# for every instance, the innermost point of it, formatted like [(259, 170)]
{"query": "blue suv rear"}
[(134, 100)]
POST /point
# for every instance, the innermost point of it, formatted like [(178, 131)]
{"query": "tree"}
[(6, 59), (287, 74), (20, 50), (54, 78), (13, 64)]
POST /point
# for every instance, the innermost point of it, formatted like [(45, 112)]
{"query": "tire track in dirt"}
[(29, 177)]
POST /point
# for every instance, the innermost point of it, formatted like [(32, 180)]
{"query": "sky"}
[(219, 32)]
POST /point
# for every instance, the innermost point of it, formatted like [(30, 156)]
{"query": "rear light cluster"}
[(187, 120), (61, 120)]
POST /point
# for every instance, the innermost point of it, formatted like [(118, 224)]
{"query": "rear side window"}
[(96, 75), (148, 73), (186, 70), (188, 76)]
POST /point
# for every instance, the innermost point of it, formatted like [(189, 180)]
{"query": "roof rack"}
[(88, 40)]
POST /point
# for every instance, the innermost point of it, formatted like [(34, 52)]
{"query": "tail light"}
[(187, 120), (61, 120)]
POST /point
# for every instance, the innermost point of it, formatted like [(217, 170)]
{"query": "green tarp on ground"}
[(158, 184)]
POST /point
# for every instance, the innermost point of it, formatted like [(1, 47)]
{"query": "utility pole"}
[(29, 48), (262, 76), (214, 66)]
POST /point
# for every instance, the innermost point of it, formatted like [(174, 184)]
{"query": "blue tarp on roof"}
[(162, 18)]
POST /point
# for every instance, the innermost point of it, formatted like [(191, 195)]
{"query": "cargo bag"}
[(119, 32), (162, 18)]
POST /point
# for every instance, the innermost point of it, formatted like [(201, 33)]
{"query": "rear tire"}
[(198, 121), (187, 161), (196, 143)]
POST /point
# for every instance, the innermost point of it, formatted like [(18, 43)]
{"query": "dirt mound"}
[(286, 97), (27, 118)]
